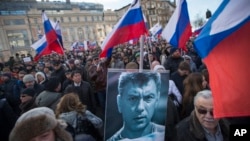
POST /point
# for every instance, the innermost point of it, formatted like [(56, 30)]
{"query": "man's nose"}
[(140, 106)]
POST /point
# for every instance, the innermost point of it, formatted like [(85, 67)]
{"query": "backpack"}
[(85, 130)]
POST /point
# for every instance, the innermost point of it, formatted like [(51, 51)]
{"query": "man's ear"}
[(118, 100)]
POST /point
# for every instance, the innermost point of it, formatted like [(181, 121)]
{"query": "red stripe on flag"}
[(229, 74), (124, 34), (185, 36)]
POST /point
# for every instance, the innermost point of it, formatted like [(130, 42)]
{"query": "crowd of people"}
[(73, 88)]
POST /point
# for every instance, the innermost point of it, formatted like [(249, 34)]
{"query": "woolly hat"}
[(29, 91), (172, 50), (28, 78), (33, 123)]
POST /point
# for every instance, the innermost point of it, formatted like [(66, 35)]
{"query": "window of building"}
[(54, 19), (35, 21), (18, 38), (14, 22), (80, 33), (61, 19), (78, 19), (69, 19)]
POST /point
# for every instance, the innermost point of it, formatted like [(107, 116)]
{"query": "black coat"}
[(7, 119), (172, 64), (190, 129), (85, 94)]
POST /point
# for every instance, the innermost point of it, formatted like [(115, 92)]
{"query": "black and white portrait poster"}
[(136, 105)]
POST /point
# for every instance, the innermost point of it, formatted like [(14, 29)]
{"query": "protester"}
[(83, 90), (27, 100), (194, 83), (39, 124), (174, 60), (201, 125), (8, 118), (29, 82), (76, 114), (178, 76), (51, 95)]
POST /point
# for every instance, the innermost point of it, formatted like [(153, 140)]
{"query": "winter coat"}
[(190, 129), (48, 99)]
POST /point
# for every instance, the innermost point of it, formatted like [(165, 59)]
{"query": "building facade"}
[(21, 21)]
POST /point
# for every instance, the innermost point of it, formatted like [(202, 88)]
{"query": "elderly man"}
[(29, 82), (201, 125)]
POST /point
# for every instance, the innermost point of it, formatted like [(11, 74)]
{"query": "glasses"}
[(204, 112)]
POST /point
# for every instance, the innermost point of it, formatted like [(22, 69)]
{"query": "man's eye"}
[(148, 98), (132, 98)]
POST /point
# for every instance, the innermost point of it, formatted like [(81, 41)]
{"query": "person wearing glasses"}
[(137, 100), (201, 124)]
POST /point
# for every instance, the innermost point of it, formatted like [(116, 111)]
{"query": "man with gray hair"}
[(201, 124), (29, 82)]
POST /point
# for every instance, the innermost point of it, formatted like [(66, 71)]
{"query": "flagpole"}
[(141, 53), (151, 51)]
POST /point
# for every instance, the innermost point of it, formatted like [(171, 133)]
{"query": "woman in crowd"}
[(85, 123), (194, 83)]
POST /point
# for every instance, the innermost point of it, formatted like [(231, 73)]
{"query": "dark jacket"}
[(85, 94), (7, 119), (190, 129), (172, 64), (99, 78), (12, 94), (26, 106), (60, 73), (48, 99)]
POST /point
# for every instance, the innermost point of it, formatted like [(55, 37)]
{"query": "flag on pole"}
[(130, 26), (223, 44), (178, 30), (49, 42), (57, 28), (156, 30)]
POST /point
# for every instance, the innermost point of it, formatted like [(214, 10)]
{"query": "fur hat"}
[(33, 123)]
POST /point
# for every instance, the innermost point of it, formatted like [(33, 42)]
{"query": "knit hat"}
[(28, 78), (172, 50), (29, 91), (33, 123)]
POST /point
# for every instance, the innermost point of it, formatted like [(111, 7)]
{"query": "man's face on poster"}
[(137, 104)]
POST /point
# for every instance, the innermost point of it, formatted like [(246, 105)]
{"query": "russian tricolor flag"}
[(156, 30), (178, 30), (224, 45), (50, 42), (130, 26)]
